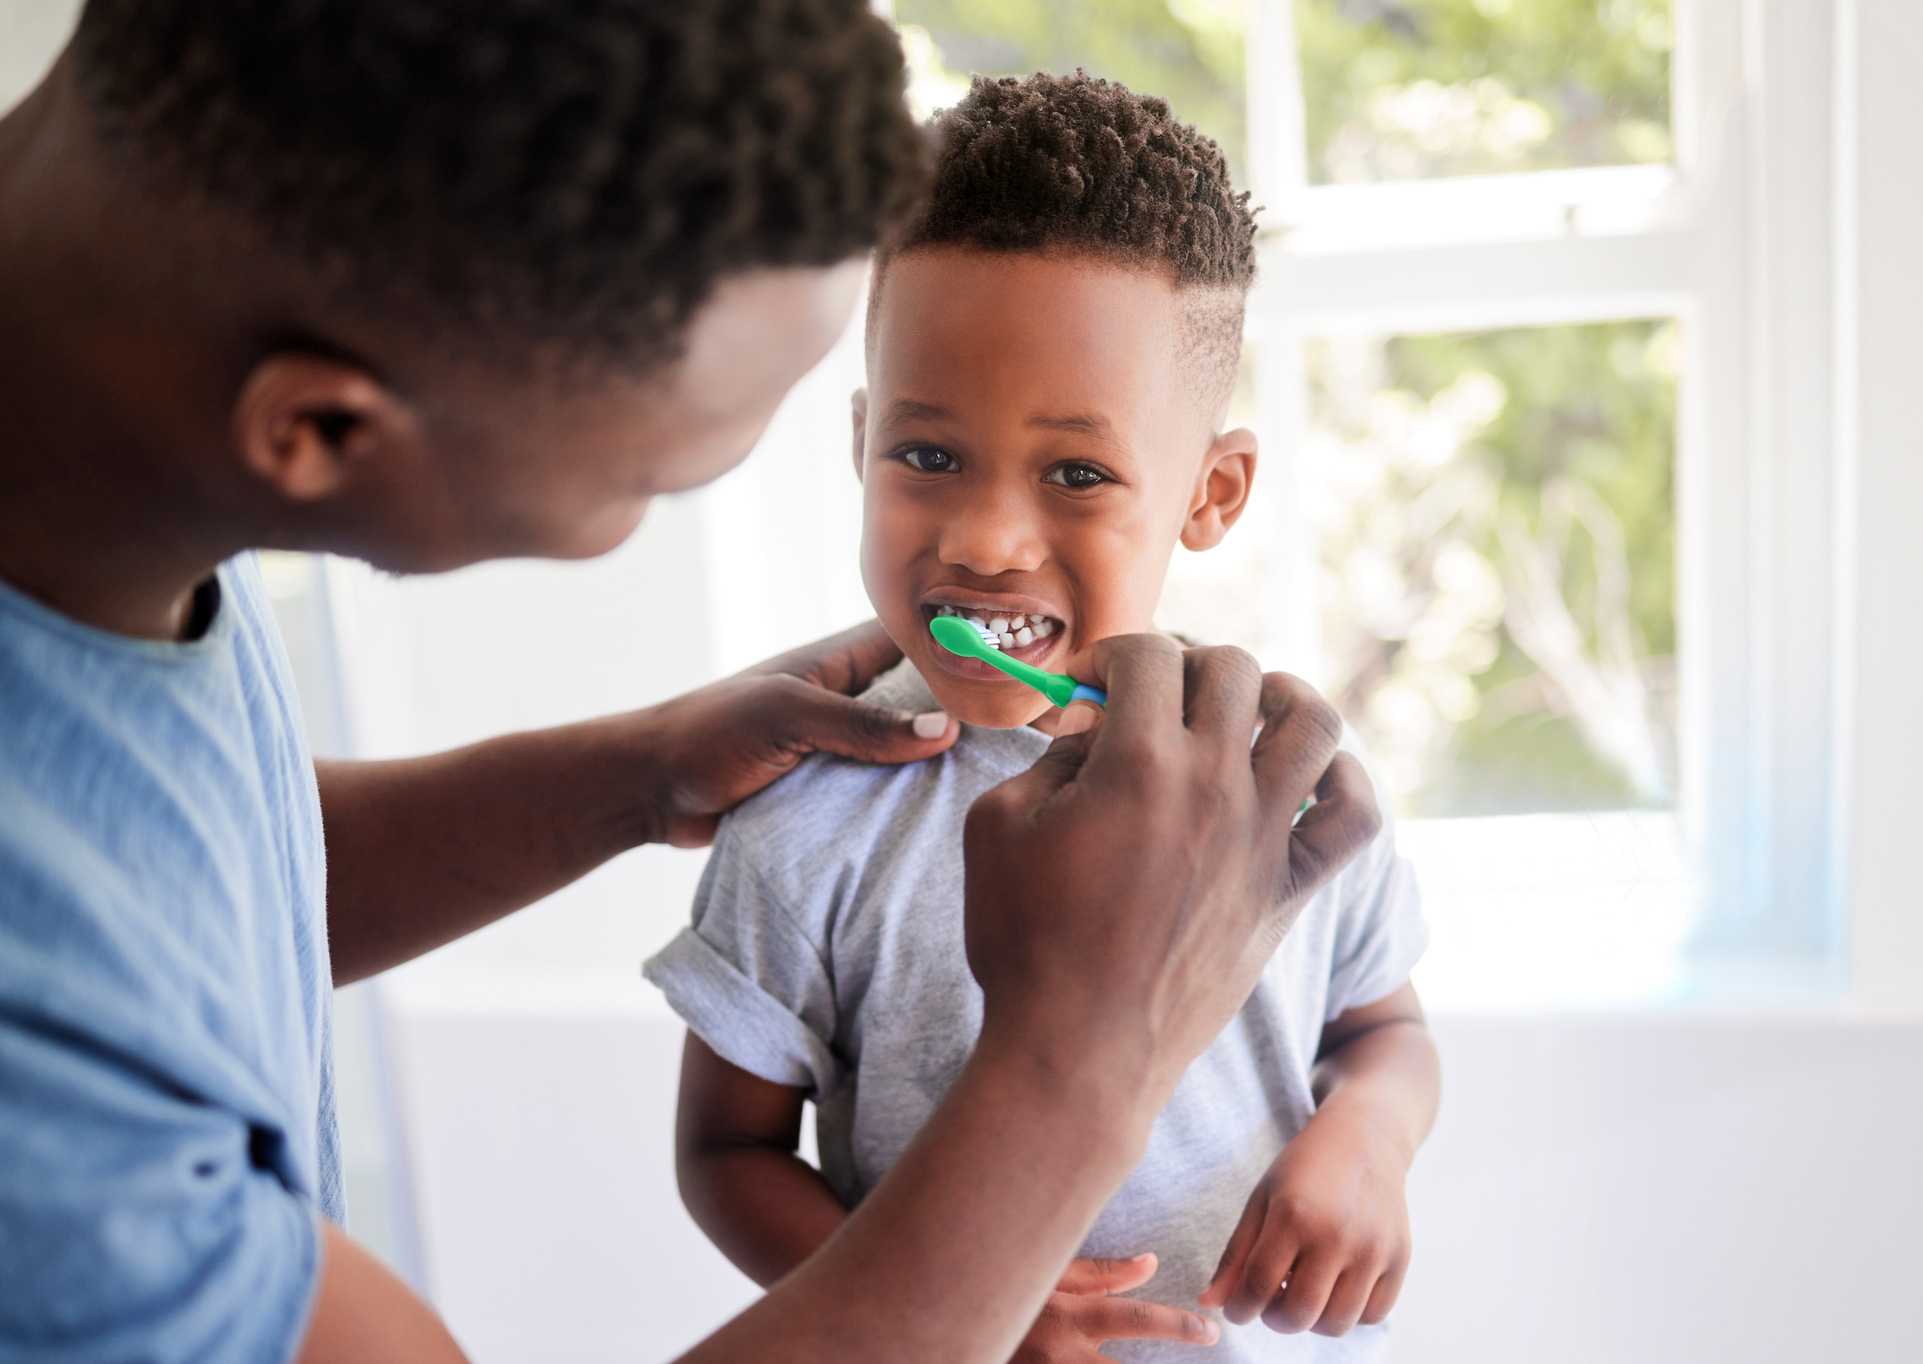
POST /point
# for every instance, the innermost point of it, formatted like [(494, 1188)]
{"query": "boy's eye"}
[(928, 459), (1075, 476)]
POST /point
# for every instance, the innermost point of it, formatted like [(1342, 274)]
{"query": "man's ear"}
[(859, 404), (1221, 490), (302, 422)]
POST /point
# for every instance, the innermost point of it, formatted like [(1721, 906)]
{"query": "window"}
[(1539, 358), (1406, 89)]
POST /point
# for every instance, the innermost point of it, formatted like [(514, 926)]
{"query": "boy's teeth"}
[(1010, 631)]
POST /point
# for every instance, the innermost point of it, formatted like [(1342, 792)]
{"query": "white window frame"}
[(1737, 239)]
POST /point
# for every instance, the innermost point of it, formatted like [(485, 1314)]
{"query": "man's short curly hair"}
[(1085, 166), (528, 170)]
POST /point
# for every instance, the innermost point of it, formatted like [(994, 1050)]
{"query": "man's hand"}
[(423, 850), (1124, 894), (713, 748), (1324, 1241), (1082, 1313)]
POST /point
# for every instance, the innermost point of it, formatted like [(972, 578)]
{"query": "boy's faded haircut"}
[(507, 172), (1082, 165)]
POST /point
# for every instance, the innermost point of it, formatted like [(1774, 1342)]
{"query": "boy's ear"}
[(1221, 490), (303, 421), (859, 404)]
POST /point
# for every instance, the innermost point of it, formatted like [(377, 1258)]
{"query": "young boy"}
[(1049, 356)]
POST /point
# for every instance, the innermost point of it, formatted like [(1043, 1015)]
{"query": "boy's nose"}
[(993, 536)]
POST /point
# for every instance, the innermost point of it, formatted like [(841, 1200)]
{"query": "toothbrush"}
[(957, 636)]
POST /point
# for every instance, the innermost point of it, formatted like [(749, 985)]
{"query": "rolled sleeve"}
[(1381, 933), (1384, 938), (744, 1024), (137, 1223), (749, 978)]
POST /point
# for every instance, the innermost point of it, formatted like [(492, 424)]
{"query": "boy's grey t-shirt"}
[(826, 952)]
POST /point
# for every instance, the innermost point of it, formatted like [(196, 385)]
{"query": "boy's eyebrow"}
[(1077, 423), (907, 409), (1080, 423)]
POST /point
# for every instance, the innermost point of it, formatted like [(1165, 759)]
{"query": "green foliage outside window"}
[(1187, 51), (1401, 89), (1497, 533)]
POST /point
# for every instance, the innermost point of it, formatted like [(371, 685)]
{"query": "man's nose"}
[(998, 532)]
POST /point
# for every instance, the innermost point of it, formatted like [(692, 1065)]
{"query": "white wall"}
[(1886, 511)]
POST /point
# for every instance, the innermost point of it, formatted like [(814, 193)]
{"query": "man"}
[(429, 284)]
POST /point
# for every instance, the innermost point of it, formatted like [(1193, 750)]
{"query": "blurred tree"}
[(1187, 51), (1400, 89), (1498, 548)]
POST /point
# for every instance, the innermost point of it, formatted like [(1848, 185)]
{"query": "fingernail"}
[(931, 724), (1076, 719)]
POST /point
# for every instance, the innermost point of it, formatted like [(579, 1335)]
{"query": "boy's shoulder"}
[(839, 811)]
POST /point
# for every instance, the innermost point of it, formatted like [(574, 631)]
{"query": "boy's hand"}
[(1324, 1241), (1081, 1314), (716, 746)]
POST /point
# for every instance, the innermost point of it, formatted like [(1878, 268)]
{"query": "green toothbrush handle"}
[(959, 637)]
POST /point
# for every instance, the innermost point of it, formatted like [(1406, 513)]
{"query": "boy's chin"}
[(990, 705)]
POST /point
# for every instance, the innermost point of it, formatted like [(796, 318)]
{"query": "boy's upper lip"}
[(1013, 603)]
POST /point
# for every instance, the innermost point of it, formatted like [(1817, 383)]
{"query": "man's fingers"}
[(1343, 820), (1104, 1275), (1300, 734), (844, 663), (1129, 1319), (1236, 1252), (815, 718), (1079, 718), (1142, 675), (1223, 688)]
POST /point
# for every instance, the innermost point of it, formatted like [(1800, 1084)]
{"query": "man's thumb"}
[(878, 734)]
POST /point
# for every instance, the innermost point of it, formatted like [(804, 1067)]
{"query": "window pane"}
[(1187, 51), (1403, 89), (1497, 532)]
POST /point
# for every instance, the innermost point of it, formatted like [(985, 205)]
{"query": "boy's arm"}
[(735, 1137), (1324, 1241), (1377, 1063)]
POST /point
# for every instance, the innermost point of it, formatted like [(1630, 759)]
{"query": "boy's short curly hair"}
[(1083, 165), (581, 172)]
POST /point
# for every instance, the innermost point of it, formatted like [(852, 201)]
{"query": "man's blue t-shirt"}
[(167, 1131)]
